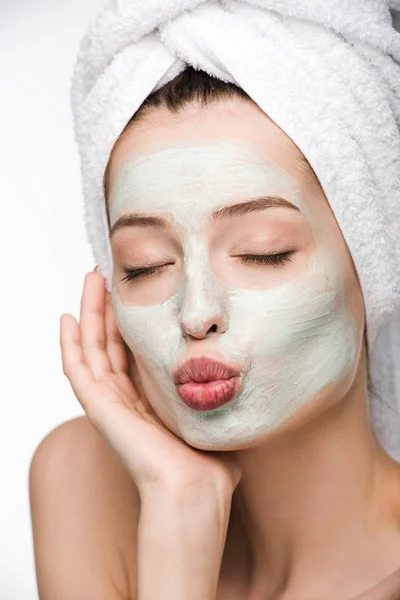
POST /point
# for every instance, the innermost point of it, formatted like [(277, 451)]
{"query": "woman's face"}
[(231, 252)]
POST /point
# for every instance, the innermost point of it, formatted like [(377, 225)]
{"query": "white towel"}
[(327, 73)]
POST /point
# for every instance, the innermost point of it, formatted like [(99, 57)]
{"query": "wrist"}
[(185, 538), (196, 493), (202, 510)]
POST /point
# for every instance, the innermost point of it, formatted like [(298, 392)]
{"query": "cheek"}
[(336, 248), (295, 342), (355, 297), (294, 326), (151, 332)]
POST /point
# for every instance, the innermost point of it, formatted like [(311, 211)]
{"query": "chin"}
[(321, 408)]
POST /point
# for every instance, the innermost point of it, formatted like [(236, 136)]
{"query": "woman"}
[(244, 462)]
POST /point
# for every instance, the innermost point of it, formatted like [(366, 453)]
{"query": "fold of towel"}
[(328, 75)]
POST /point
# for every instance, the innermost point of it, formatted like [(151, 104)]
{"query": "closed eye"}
[(258, 259), (143, 272), (267, 259)]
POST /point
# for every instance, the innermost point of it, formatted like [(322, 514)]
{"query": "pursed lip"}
[(203, 369)]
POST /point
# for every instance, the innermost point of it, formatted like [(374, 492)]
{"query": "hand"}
[(96, 362)]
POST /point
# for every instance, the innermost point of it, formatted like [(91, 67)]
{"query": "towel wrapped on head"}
[(329, 76)]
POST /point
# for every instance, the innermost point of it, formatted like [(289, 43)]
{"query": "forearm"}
[(181, 539)]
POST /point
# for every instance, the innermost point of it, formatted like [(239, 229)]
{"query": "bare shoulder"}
[(389, 589), (85, 512)]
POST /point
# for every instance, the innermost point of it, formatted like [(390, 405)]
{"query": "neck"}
[(319, 505)]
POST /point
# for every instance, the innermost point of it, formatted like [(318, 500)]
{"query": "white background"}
[(44, 252), (43, 249)]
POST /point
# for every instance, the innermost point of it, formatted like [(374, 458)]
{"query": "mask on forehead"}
[(292, 340)]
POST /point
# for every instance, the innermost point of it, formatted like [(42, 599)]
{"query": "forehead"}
[(241, 120), (189, 180), (200, 159)]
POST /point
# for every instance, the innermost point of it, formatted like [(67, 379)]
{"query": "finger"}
[(114, 342), (92, 325), (73, 359)]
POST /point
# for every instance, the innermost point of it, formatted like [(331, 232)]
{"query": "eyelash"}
[(268, 259), (274, 260), (143, 272)]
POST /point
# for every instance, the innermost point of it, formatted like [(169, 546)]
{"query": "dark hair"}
[(191, 86)]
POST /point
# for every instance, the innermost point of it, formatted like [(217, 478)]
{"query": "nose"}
[(199, 328), (204, 307), (203, 310)]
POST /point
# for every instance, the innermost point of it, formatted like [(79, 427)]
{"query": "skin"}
[(271, 319), (315, 510), (292, 540)]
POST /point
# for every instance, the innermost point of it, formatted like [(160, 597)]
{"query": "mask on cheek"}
[(293, 341)]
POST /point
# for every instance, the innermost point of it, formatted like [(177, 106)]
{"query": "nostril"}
[(212, 329)]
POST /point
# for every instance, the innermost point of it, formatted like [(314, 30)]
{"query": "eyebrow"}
[(257, 204), (233, 210)]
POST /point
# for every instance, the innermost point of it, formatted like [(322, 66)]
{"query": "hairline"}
[(141, 116)]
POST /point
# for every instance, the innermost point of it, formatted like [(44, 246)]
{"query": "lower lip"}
[(208, 395)]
